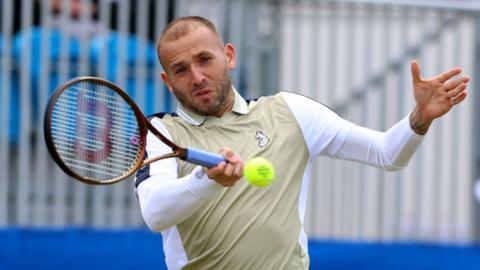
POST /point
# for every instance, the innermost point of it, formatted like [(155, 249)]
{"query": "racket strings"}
[(95, 131), (111, 102), (64, 123)]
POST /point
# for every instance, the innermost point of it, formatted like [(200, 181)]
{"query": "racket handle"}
[(203, 158)]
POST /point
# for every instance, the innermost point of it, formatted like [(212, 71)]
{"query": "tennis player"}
[(212, 218)]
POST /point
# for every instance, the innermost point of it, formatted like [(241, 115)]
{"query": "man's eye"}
[(205, 59), (179, 70)]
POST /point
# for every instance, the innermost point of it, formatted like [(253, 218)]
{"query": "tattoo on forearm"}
[(417, 126)]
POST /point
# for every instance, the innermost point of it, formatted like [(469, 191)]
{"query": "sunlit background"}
[(353, 56)]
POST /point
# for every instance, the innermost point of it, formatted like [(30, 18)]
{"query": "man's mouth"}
[(203, 92)]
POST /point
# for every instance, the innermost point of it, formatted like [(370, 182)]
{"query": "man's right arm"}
[(166, 200)]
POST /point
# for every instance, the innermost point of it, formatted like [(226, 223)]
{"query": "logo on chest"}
[(262, 139)]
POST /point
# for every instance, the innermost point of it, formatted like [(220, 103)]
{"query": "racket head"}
[(94, 131)]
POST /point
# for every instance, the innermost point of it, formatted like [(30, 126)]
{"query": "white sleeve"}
[(391, 150), (166, 200), (323, 130), (326, 133)]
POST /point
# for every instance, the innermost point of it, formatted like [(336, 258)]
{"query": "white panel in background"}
[(303, 41), (139, 66), (286, 51), (252, 56), (117, 192), (348, 198), (355, 115), (321, 55), (410, 213), (356, 214), (464, 231), (390, 192), (99, 212), (342, 49), (23, 164), (371, 181), (396, 47), (5, 94), (360, 47), (235, 17), (160, 89), (41, 158), (429, 181), (343, 207), (377, 44), (449, 156), (331, 45), (336, 213)]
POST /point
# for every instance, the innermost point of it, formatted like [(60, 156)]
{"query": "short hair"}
[(182, 26)]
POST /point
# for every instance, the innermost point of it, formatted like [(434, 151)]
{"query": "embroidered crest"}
[(262, 139)]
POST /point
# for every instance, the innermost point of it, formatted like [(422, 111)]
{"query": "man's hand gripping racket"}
[(97, 134)]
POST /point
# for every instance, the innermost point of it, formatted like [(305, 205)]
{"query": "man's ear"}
[(166, 80), (231, 56)]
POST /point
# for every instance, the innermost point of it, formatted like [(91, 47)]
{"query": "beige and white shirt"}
[(207, 226)]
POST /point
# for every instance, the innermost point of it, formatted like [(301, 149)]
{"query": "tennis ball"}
[(259, 172)]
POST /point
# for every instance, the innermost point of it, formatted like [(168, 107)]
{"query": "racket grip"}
[(203, 158)]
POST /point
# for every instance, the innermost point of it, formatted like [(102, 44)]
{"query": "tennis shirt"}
[(207, 226)]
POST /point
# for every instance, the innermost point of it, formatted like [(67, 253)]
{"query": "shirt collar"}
[(239, 106)]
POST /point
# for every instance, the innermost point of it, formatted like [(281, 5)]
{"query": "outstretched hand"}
[(435, 96)]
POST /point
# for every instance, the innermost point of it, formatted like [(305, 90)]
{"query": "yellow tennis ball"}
[(259, 172)]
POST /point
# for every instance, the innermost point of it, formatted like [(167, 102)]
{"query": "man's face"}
[(197, 71)]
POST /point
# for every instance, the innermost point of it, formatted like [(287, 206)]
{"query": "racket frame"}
[(143, 124)]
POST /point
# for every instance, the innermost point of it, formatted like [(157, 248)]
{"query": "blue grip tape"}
[(203, 158)]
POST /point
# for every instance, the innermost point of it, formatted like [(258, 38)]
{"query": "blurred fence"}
[(351, 56), (44, 48)]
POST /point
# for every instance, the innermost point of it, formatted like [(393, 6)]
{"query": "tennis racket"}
[(97, 134)]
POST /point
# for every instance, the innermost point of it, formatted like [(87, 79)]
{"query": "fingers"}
[(229, 155), (443, 77), (447, 75), (456, 90), (451, 85), (451, 93), (222, 174), (459, 98), (227, 173), (415, 68)]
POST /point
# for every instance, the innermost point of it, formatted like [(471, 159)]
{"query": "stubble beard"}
[(212, 107)]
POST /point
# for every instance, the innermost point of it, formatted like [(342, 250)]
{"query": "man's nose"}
[(197, 75)]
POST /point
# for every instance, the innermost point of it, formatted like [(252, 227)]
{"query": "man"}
[(211, 218)]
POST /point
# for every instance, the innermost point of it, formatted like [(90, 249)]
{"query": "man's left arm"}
[(326, 133), (393, 149)]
